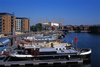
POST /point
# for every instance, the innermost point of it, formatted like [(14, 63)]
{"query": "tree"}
[(33, 28), (37, 27)]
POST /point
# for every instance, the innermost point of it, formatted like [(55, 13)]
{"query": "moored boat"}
[(54, 52)]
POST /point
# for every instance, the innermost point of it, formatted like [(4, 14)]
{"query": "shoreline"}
[(79, 31)]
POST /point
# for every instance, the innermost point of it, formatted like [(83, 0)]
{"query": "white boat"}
[(56, 52)]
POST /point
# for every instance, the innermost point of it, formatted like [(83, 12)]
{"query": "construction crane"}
[(61, 24), (42, 20), (61, 21), (38, 20), (53, 20), (47, 20)]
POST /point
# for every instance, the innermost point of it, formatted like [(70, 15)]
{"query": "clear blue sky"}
[(73, 12)]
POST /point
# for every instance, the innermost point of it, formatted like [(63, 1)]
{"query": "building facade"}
[(18, 25), (7, 23), (22, 24)]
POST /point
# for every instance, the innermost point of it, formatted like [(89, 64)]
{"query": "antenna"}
[(47, 20), (13, 13)]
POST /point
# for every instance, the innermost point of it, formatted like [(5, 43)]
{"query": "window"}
[(3, 17), (59, 48), (9, 20), (56, 48), (3, 23), (37, 48), (3, 20), (34, 48), (3, 29), (9, 17)]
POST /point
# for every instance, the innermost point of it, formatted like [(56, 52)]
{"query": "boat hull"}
[(83, 57)]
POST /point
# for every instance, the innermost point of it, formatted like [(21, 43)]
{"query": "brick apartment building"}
[(22, 24), (7, 23)]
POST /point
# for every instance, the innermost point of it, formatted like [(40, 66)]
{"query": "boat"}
[(44, 44), (33, 52), (41, 39)]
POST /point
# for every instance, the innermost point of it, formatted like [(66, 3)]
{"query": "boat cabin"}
[(33, 50), (36, 50)]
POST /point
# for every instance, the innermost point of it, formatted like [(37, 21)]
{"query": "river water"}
[(85, 40)]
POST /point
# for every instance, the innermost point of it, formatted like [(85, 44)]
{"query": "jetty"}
[(41, 62)]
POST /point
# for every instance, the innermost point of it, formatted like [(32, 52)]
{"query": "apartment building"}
[(18, 25), (22, 24), (7, 23)]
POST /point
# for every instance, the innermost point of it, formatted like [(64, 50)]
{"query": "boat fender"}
[(78, 53), (68, 57)]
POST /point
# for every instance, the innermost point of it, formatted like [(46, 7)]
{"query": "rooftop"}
[(7, 14), (22, 18)]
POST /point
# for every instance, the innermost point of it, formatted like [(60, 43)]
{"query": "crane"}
[(38, 20), (61, 21), (53, 20)]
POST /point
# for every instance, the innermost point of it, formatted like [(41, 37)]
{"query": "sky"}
[(73, 12)]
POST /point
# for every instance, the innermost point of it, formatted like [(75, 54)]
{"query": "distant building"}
[(7, 23), (52, 24), (86, 27), (69, 27), (22, 24)]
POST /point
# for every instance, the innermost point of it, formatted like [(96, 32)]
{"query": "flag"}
[(17, 42), (75, 39)]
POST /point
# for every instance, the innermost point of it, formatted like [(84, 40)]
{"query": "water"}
[(85, 40)]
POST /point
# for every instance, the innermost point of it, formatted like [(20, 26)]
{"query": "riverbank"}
[(79, 31)]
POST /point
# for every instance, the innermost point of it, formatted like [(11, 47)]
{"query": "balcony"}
[(12, 21), (0, 17), (12, 18), (0, 24), (0, 29)]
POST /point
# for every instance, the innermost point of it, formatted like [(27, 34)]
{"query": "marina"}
[(37, 58), (49, 33)]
